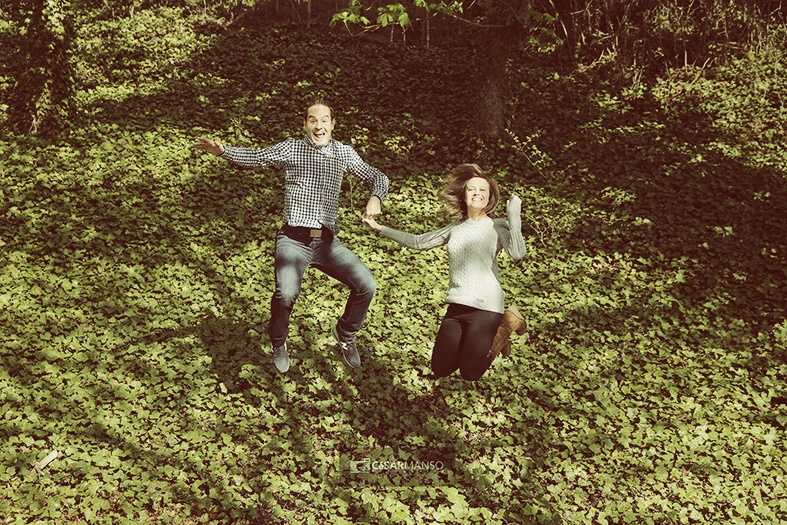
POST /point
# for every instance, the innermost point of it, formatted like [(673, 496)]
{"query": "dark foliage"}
[(135, 275)]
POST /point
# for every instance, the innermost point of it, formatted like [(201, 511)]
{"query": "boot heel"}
[(521, 324)]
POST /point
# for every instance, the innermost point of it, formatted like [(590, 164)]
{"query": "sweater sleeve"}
[(509, 232), (423, 241)]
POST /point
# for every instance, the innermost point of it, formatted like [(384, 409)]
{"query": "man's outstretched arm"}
[(211, 146)]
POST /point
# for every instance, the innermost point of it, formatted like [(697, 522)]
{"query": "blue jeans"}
[(293, 256)]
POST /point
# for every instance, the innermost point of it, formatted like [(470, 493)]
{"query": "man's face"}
[(319, 125)]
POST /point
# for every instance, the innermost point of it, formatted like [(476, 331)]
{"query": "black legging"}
[(464, 340)]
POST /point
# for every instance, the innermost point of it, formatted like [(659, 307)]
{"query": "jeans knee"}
[(372, 287), (285, 298), (368, 287)]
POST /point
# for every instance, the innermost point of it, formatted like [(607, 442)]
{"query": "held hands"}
[(371, 223), (211, 146), (373, 209)]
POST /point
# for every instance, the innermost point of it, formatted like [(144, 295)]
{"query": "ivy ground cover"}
[(135, 276)]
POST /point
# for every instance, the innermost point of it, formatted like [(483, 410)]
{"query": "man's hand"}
[(211, 146), (373, 207)]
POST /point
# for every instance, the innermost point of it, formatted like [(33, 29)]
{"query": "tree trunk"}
[(491, 118), (41, 100)]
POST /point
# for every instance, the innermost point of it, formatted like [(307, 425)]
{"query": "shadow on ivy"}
[(699, 210), (379, 431), (431, 437)]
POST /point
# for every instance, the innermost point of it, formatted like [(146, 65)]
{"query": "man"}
[(314, 167)]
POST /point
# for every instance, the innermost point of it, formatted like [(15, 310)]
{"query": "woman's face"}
[(477, 194)]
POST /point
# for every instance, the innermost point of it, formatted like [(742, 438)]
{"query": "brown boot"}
[(512, 322)]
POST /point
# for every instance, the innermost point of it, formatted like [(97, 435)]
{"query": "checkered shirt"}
[(312, 176)]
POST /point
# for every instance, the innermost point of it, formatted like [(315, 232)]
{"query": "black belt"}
[(302, 232)]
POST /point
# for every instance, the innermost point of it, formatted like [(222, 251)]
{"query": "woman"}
[(467, 338)]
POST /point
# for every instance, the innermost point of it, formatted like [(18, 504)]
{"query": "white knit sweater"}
[(472, 247)]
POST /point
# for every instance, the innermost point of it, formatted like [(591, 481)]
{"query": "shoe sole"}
[(286, 363)]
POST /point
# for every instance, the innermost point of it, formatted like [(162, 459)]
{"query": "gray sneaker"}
[(280, 358), (349, 350)]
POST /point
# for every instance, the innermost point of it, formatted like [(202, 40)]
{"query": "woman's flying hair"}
[(454, 191)]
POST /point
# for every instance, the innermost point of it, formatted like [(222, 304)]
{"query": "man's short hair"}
[(319, 101)]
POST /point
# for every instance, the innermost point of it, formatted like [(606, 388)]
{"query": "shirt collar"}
[(325, 150)]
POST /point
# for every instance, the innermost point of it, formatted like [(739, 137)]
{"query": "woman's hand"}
[(514, 205), (371, 223)]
